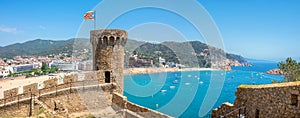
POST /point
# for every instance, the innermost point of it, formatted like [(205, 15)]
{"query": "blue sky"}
[(260, 29)]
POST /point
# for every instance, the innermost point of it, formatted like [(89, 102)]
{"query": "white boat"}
[(200, 82), (175, 82), (187, 83), (163, 91), (172, 87)]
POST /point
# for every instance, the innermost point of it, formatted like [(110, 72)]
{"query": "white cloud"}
[(42, 27), (8, 29)]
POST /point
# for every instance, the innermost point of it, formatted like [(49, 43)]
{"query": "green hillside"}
[(188, 53)]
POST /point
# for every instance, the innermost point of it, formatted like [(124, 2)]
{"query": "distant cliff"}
[(190, 54)]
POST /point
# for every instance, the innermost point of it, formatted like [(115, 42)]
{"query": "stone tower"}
[(108, 54)]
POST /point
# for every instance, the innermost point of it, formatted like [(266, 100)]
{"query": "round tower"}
[(108, 54)]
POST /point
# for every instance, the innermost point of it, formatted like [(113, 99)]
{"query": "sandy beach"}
[(159, 70)]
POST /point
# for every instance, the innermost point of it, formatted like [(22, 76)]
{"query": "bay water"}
[(193, 94)]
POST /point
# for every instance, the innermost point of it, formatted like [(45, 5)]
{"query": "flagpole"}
[(95, 20)]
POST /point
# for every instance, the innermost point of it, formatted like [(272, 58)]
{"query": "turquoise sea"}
[(193, 94)]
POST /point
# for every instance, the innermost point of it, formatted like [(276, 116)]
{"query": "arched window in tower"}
[(111, 40), (105, 40), (118, 40)]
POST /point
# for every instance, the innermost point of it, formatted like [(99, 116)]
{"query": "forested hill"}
[(38, 47), (171, 51)]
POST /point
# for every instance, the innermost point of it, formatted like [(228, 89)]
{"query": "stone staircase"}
[(42, 104)]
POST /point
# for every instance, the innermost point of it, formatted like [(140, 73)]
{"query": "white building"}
[(64, 66), (161, 60), (4, 71), (24, 67)]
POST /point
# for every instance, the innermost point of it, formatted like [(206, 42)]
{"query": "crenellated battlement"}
[(108, 37)]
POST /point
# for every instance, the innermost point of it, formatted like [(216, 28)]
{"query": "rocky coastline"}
[(275, 72)]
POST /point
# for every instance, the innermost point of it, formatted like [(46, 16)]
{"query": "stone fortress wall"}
[(263, 101), (17, 103), (121, 102), (9, 95), (50, 85)]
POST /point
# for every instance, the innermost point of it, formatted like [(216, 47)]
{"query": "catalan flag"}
[(89, 15)]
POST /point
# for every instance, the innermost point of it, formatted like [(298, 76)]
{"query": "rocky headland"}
[(275, 72)]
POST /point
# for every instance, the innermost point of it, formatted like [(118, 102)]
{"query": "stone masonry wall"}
[(2, 101), (100, 74), (49, 85), (21, 110), (265, 101), (223, 109), (121, 102), (9, 95), (31, 88), (16, 105), (118, 66), (68, 97), (70, 78)]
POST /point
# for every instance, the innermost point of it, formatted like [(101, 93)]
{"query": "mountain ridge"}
[(201, 52)]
